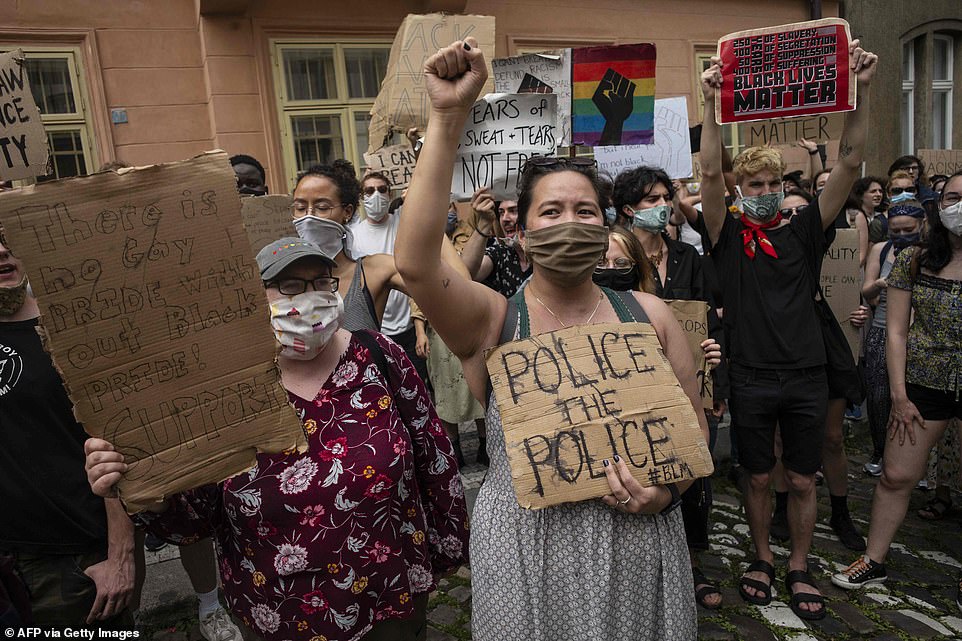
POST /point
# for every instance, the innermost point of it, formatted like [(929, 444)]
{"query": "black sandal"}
[(935, 510), (765, 589), (801, 576), (958, 593), (707, 589)]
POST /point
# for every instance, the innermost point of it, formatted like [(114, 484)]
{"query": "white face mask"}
[(951, 217), (329, 236), (376, 206), (305, 323)]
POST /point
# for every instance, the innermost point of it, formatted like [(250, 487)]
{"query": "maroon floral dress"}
[(322, 545)]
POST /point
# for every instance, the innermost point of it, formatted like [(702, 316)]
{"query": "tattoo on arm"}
[(445, 282), (844, 149)]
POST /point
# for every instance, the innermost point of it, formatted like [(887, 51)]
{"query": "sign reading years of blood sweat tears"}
[(796, 69), (572, 398), (402, 101), (156, 317), (23, 143)]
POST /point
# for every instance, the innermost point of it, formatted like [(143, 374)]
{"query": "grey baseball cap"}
[(275, 257)]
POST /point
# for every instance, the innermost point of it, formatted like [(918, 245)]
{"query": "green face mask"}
[(653, 219), (568, 252)]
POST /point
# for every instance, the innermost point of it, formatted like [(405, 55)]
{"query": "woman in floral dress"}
[(346, 540)]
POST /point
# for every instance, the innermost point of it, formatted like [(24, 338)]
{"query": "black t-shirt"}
[(770, 319), (47, 504), (506, 274)]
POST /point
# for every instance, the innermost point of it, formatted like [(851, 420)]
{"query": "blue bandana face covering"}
[(654, 219)]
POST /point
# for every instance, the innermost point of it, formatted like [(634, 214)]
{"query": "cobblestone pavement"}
[(917, 602)]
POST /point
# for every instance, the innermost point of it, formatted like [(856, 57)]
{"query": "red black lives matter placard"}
[(796, 69)]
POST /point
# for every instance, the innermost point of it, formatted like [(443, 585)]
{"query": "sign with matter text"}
[(798, 69), (23, 142), (572, 398), (155, 315)]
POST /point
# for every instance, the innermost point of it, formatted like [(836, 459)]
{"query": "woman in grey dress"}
[(614, 568)]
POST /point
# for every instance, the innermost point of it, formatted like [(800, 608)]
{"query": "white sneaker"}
[(873, 468), (217, 626)]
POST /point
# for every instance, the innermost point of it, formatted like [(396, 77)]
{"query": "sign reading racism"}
[(403, 101), (941, 161), (154, 313), (546, 72), (572, 398), (266, 219), (501, 133), (23, 142), (841, 282), (798, 69)]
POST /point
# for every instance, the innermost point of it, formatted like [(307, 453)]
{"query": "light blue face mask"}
[(763, 208), (610, 215), (654, 219), (901, 198)]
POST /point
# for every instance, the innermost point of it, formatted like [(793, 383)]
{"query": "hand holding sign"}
[(863, 63), (614, 98), (711, 79), (628, 495), (455, 75), (483, 204)]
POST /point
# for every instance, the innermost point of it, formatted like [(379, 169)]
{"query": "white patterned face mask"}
[(304, 324)]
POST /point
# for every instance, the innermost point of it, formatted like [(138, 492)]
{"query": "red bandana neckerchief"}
[(753, 231)]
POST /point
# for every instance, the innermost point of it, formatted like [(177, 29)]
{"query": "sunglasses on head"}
[(550, 162), (901, 190)]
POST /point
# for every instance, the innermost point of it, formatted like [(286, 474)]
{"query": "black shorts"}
[(794, 399), (933, 404)]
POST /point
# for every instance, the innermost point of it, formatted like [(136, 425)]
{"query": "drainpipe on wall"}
[(815, 8)]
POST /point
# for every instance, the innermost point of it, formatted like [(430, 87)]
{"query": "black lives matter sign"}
[(791, 70)]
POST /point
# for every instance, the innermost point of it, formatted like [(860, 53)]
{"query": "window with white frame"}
[(908, 97), (942, 63), (325, 94), (55, 80)]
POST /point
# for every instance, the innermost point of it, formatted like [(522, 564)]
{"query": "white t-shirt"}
[(379, 239), (688, 235)]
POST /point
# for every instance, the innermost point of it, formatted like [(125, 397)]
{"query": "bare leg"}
[(758, 509), (834, 462), (903, 466), (801, 523)]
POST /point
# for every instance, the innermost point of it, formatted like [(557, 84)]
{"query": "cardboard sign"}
[(572, 398), (546, 72), (841, 282), (788, 131), (23, 142), (266, 219), (941, 161), (501, 133), (396, 162), (155, 315), (798, 69), (692, 315), (671, 150), (403, 101), (613, 95)]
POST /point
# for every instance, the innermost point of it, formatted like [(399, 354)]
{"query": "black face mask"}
[(617, 279)]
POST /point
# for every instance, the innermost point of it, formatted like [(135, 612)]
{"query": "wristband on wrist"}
[(813, 152), (675, 498), (477, 229)]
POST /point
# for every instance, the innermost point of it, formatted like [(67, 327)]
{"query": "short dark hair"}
[(632, 185), (907, 161), (862, 185), (378, 175), (342, 174), (801, 193), (244, 159), (532, 173)]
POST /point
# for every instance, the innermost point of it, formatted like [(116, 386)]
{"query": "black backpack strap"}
[(884, 254), (366, 338)]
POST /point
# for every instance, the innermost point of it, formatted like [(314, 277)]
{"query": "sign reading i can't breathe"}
[(796, 69), (572, 398)]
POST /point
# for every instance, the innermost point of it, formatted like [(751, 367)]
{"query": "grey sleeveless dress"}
[(579, 571), (359, 305)]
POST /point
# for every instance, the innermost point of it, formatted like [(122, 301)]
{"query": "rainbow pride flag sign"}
[(613, 95)]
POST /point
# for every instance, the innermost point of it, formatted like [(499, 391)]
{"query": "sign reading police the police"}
[(23, 142), (798, 69), (571, 399)]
